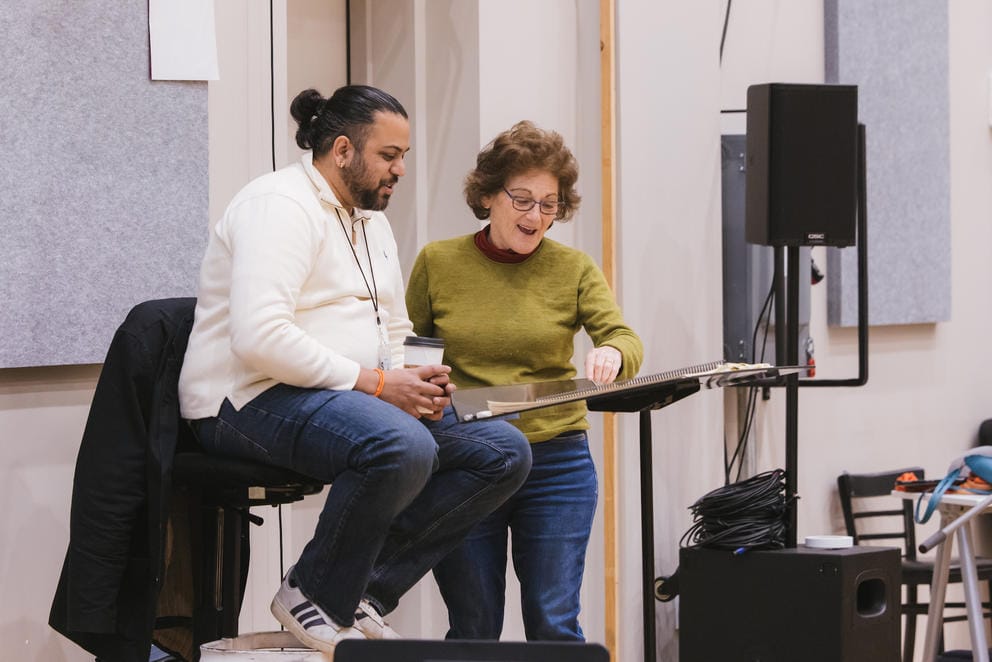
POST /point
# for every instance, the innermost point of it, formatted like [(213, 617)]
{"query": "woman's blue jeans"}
[(405, 491), (550, 519)]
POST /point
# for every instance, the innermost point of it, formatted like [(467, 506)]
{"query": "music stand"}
[(641, 395), (644, 405)]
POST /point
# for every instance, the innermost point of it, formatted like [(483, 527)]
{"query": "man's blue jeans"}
[(550, 519), (404, 493)]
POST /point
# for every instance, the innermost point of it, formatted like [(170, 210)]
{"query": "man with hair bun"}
[(296, 360)]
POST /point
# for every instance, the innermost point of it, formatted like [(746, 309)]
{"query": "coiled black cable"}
[(749, 514)]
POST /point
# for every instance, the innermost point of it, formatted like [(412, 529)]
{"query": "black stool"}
[(217, 493)]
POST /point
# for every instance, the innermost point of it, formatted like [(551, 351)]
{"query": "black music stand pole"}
[(644, 403), (647, 535)]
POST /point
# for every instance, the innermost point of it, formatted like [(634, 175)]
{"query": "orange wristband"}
[(382, 382)]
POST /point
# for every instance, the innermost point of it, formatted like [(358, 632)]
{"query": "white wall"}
[(926, 395), (42, 412), (670, 277)]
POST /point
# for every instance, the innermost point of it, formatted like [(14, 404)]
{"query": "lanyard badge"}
[(385, 355)]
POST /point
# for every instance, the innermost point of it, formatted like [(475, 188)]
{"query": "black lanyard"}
[(373, 290)]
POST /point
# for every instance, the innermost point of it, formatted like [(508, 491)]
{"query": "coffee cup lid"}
[(423, 341)]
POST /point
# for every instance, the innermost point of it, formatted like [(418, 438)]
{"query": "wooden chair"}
[(895, 522)]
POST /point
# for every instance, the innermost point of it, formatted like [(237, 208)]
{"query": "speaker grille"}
[(802, 164)]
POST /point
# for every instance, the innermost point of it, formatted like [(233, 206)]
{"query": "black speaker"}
[(802, 164), (814, 605), (423, 650)]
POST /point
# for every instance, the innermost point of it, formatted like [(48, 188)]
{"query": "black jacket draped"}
[(113, 570)]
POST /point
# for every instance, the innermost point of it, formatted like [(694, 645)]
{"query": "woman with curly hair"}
[(508, 302)]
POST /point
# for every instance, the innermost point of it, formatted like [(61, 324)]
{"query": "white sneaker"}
[(305, 620), (370, 623)]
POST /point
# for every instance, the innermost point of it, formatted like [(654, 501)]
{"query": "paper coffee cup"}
[(420, 350)]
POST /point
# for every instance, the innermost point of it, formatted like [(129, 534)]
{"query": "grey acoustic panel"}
[(896, 52), (103, 180)]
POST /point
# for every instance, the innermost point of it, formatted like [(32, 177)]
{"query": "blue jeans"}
[(405, 491), (550, 518)]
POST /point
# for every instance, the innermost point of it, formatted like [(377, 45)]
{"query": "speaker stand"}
[(786, 284)]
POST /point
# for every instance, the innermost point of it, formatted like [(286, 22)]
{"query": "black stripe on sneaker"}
[(307, 615), (312, 623), (310, 618), (295, 611)]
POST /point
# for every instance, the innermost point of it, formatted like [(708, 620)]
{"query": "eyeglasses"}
[(548, 207)]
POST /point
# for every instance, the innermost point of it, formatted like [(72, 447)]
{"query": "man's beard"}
[(363, 187)]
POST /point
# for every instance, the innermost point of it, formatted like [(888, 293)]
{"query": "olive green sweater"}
[(515, 323)]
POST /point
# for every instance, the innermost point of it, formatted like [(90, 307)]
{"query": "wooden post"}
[(607, 59)]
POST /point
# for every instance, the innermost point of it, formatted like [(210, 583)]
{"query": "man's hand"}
[(437, 375), (423, 391)]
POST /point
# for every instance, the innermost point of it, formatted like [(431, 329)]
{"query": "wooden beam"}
[(607, 60)]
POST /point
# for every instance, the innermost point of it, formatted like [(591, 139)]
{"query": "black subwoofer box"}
[(802, 165), (790, 605)]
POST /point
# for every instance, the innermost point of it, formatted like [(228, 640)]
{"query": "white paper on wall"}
[(183, 40)]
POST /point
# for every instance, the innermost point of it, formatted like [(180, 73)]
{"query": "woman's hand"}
[(603, 364)]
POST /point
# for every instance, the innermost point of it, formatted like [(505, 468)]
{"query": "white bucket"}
[(260, 647)]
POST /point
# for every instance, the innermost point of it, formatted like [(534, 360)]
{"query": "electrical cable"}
[(347, 41), (751, 410), (272, 117), (742, 442), (749, 514), (723, 35), (723, 38), (272, 83), (751, 406)]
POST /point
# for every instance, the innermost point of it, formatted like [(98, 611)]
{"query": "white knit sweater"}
[(281, 298)]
